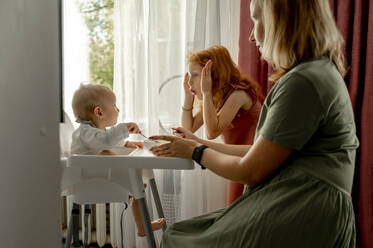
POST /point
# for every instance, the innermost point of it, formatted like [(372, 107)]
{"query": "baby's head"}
[(95, 103)]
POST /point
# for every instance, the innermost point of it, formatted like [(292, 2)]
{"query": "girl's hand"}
[(189, 97), (186, 84), (178, 147), (184, 133), (206, 80), (134, 144), (132, 127)]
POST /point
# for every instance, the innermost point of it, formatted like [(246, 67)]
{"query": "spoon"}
[(148, 138)]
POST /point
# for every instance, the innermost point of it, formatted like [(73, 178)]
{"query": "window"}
[(88, 45), (98, 16)]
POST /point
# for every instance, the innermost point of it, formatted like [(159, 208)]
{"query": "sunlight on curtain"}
[(152, 41), (75, 53)]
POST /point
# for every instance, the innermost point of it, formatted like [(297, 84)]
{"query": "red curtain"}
[(355, 21)]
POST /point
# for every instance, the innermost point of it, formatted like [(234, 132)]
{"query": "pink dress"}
[(241, 132)]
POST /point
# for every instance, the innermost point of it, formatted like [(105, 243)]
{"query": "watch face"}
[(197, 153)]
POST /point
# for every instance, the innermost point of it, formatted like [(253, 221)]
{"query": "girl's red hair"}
[(224, 72)]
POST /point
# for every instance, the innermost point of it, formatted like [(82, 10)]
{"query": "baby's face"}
[(195, 71), (110, 111)]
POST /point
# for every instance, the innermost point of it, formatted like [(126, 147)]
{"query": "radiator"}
[(101, 222), (104, 223)]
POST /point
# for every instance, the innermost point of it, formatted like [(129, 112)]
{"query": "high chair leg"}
[(157, 201), (69, 232), (73, 229), (87, 212), (147, 224)]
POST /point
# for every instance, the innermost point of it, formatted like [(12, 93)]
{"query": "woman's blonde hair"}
[(299, 30), (224, 73), (87, 97)]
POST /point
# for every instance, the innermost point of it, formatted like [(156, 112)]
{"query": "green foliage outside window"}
[(99, 18)]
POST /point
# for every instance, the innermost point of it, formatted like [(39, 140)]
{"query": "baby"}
[(95, 109)]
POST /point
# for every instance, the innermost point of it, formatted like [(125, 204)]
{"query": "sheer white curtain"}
[(75, 56), (152, 41)]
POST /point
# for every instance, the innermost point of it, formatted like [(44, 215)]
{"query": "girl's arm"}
[(236, 150), (216, 122), (188, 121)]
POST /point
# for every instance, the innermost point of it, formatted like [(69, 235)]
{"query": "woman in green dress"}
[(299, 171)]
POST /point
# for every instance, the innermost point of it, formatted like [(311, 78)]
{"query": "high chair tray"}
[(128, 158)]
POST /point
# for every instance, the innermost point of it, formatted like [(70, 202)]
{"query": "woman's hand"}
[(206, 80), (184, 133), (132, 127), (178, 147)]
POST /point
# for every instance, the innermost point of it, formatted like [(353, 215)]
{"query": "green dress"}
[(307, 202)]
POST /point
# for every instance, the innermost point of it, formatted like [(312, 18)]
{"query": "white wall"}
[(29, 116)]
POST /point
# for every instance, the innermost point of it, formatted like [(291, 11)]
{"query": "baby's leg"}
[(156, 225), (107, 152)]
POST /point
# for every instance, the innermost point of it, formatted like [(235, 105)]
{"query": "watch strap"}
[(197, 155)]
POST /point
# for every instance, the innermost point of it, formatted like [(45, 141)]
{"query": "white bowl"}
[(148, 144)]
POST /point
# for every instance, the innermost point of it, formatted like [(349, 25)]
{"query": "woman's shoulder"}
[(319, 76), (319, 72)]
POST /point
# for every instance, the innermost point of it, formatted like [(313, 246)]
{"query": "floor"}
[(90, 246), (93, 245)]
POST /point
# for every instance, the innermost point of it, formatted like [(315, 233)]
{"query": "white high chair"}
[(91, 179)]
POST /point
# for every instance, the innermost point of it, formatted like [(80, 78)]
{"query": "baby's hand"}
[(132, 127), (134, 144)]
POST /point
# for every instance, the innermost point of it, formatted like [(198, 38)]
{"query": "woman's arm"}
[(236, 150), (259, 163), (215, 123)]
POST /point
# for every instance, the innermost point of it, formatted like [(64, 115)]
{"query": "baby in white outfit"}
[(95, 109)]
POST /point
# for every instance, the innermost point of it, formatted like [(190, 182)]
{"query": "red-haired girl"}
[(230, 103)]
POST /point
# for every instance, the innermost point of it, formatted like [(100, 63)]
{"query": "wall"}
[(29, 116)]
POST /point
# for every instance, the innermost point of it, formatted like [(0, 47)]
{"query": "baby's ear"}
[(97, 111)]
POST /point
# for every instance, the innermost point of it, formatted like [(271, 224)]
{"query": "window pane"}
[(88, 47)]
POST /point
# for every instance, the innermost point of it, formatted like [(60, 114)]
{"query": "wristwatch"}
[(197, 155)]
